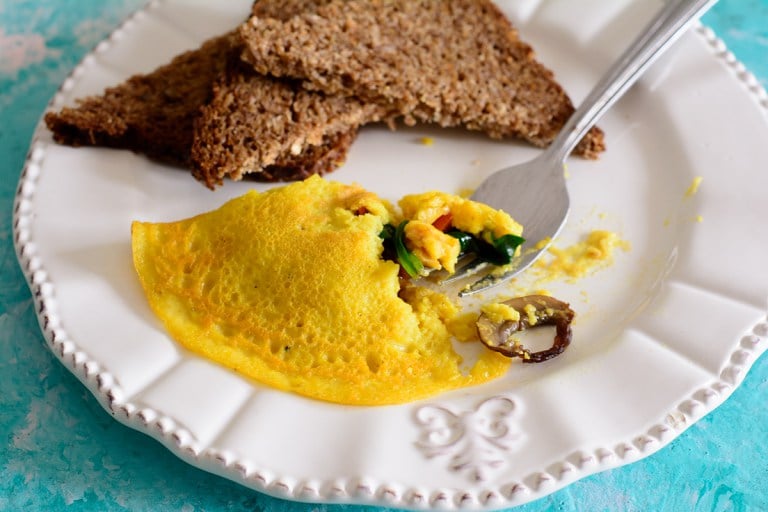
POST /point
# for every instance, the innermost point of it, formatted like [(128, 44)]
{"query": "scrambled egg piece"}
[(498, 312), (530, 312), (433, 247), (467, 215), (288, 287), (431, 244)]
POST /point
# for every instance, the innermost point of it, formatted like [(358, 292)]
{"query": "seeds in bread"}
[(320, 159), (451, 63)]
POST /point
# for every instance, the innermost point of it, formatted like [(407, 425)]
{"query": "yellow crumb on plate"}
[(596, 250), (427, 141), (694, 186)]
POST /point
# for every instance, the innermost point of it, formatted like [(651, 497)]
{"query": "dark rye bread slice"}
[(457, 62), (154, 114), (149, 113), (253, 121)]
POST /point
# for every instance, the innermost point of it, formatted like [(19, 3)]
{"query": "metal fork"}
[(535, 193)]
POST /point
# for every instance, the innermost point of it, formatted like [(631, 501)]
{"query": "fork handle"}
[(664, 29)]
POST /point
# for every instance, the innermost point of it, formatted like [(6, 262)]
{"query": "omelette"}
[(294, 288)]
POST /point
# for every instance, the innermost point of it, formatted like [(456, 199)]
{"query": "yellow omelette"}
[(289, 288)]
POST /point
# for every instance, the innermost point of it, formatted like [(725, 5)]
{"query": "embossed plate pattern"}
[(663, 336)]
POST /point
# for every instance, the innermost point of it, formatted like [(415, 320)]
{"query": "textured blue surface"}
[(59, 450)]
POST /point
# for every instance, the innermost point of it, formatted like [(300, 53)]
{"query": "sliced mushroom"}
[(545, 310)]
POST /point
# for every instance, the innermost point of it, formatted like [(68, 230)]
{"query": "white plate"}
[(662, 337)]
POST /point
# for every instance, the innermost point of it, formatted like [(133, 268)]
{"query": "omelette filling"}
[(291, 288)]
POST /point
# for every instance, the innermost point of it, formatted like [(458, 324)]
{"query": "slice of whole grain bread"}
[(155, 113), (253, 121), (457, 62), (149, 113)]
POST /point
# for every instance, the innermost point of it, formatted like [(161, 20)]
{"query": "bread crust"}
[(149, 113)]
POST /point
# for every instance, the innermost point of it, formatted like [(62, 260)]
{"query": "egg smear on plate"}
[(310, 288)]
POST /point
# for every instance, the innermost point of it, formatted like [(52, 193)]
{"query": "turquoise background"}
[(59, 450)]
